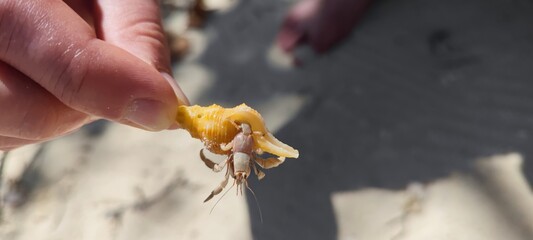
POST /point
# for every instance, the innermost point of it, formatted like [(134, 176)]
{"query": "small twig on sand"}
[(18, 189), (2, 163), (146, 202), (415, 196)]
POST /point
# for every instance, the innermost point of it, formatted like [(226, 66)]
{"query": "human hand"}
[(66, 63)]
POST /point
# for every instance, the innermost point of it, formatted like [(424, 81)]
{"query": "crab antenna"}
[(221, 198), (239, 187), (256, 202)]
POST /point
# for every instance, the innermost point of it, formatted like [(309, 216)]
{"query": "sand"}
[(417, 127)]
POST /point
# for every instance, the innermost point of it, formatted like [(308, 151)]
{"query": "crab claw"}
[(262, 137)]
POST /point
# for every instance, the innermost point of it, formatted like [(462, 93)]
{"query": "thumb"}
[(52, 45)]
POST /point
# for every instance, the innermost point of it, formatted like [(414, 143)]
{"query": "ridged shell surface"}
[(209, 124)]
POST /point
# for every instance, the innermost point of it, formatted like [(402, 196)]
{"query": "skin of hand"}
[(64, 64)]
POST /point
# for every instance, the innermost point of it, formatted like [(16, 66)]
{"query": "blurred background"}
[(417, 125)]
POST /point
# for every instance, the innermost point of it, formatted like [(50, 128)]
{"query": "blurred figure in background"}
[(320, 23)]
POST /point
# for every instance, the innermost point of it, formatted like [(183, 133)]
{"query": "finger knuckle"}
[(150, 36), (38, 124), (7, 6), (71, 73), (8, 23)]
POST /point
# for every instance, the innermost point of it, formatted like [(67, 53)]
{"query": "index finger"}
[(51, 44)]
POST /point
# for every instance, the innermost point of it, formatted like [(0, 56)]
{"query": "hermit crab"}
[(241, 134)]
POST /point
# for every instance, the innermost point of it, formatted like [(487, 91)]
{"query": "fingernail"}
[(183, 100), (174, 126), (149, 114)]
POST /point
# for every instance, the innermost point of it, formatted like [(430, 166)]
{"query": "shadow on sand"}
[(420, 90)]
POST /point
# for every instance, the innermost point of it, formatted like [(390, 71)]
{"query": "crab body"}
[(241, 134)]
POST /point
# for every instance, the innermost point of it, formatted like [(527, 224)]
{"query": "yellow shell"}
[(213, 126)]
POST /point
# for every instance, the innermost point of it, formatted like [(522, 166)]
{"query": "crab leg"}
[(260, 174), (269, 162), (218, 189), (212, 165), (226, 147)]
